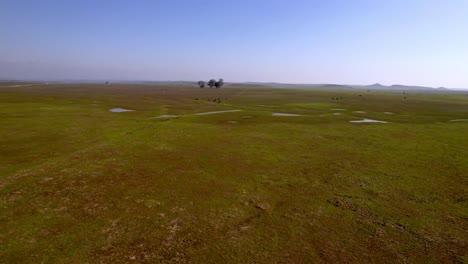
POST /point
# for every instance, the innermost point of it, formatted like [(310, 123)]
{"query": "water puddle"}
[(204, 113), (120, 110), (365, 120), (283, 114), (359, 112), (339, 109), (218, 112), (459, 120)]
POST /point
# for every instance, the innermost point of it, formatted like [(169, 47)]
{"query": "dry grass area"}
[(82, 184)]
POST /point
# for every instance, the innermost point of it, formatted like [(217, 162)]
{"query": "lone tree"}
[(201, 84), (212, 83), (219, 83)]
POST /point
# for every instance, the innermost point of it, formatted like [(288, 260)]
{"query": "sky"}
[(413, 42)]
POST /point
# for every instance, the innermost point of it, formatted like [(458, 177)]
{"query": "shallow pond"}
[(365, 120), (218, 112), (284, 114), (120, 110)]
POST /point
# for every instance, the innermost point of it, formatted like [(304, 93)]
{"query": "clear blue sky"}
[(419, 42)]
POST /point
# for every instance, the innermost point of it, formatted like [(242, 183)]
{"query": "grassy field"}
[(79, 183)]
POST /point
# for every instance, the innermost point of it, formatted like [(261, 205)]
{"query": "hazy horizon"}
[(421, 43)]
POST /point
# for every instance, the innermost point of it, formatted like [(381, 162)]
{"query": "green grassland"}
[(79, 183)]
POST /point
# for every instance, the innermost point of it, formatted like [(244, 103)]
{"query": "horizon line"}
[(234, 82)]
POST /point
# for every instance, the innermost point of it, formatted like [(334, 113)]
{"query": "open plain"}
[(232, 175)]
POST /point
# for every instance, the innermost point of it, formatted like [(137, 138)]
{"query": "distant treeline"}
[(211, 83)]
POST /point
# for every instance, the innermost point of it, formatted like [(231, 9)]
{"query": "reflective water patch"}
[(218, 112), (284, 114), (120, 110), (365, 120)]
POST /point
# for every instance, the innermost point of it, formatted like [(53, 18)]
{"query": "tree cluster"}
[(212, 83)]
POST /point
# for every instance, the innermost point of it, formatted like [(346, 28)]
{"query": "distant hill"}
[(406, 87), (296, 85), (376, 86), (399, 87)]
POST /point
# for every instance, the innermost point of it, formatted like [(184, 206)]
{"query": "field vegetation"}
[(79, 183)]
